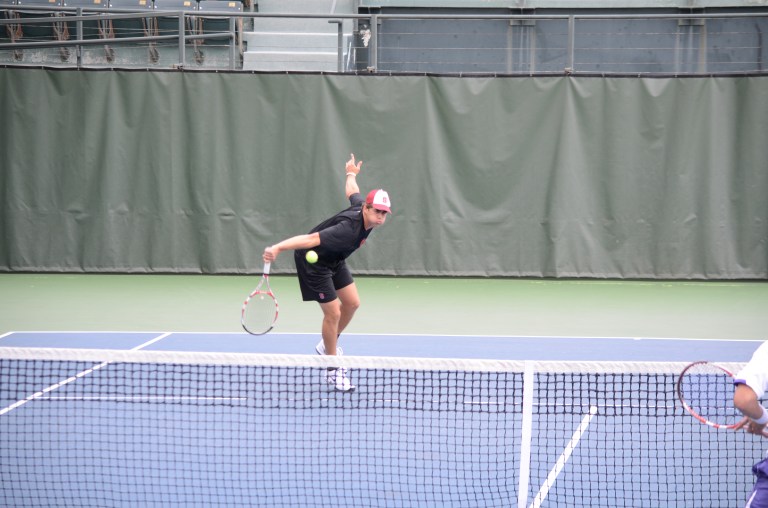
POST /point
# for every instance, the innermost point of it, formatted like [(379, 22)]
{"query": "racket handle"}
[(266, 268)]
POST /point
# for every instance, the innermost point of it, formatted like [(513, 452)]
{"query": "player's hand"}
[(270, 254), (755, 428), (750, 426), (351, 167)]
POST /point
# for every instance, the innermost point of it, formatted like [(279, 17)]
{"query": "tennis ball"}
[(311, 257)]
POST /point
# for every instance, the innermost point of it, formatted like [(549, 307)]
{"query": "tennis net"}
[(150, 428)]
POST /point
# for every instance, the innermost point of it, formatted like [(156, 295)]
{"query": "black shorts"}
[(320, 283)]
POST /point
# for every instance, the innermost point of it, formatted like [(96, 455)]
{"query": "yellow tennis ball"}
[(311, 257)]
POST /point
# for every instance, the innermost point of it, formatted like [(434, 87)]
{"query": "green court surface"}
[(510, 307)]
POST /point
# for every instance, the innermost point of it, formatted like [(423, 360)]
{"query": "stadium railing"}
[(420, 43)]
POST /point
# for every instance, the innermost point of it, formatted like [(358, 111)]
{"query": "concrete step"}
[(296, 44), (297, 6), (289, 61), (291, 41), (314, 25), (292, 52)]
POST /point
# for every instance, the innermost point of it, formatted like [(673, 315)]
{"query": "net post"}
[(526, 434)]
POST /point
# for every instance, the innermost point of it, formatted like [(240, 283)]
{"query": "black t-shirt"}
[(341, 235)]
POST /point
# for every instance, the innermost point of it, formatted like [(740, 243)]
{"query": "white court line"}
[(149, 398), (93, 332), (526, 433), (560, 464), (77, 376)]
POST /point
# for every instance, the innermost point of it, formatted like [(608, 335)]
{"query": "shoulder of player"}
[(762, 350), (356, 199), (346, 220)]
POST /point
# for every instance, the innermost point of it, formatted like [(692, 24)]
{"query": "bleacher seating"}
[(170, 25), (131, 4), (422, 44), (212, 24), (40, 31), (133, 27), (136, 27), (9, 33)]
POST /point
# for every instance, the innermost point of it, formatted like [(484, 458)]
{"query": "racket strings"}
[(708, 391), (260, 312)]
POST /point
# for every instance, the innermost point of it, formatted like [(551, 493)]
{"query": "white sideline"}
[(77, 376), (550, 481)]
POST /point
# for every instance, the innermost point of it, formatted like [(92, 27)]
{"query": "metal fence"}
[(208, 35)]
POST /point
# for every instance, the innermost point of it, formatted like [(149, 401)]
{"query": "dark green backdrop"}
[(136, 171)]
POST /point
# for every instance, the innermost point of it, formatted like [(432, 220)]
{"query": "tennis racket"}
[(260, 309), (705, 390)]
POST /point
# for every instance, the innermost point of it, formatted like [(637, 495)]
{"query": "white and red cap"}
[(379, 199)]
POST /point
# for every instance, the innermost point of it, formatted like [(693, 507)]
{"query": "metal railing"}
[(677, 44), (78, 16)]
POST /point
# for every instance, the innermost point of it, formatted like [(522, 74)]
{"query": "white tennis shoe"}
[(320, 348), (338, 380)]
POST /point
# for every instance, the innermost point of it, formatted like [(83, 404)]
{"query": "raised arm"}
[(352, 169), (313, 239)]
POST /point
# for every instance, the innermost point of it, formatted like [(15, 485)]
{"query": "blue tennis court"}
[(495, 347), (224, 419)]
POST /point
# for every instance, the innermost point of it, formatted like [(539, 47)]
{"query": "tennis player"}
[(751, 384), (329, 281)]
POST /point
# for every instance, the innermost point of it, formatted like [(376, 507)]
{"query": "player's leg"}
[(336, 316), (336, 377), (346, 290), (317, 284), (350, 302), (759, 496), (330, 328)]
